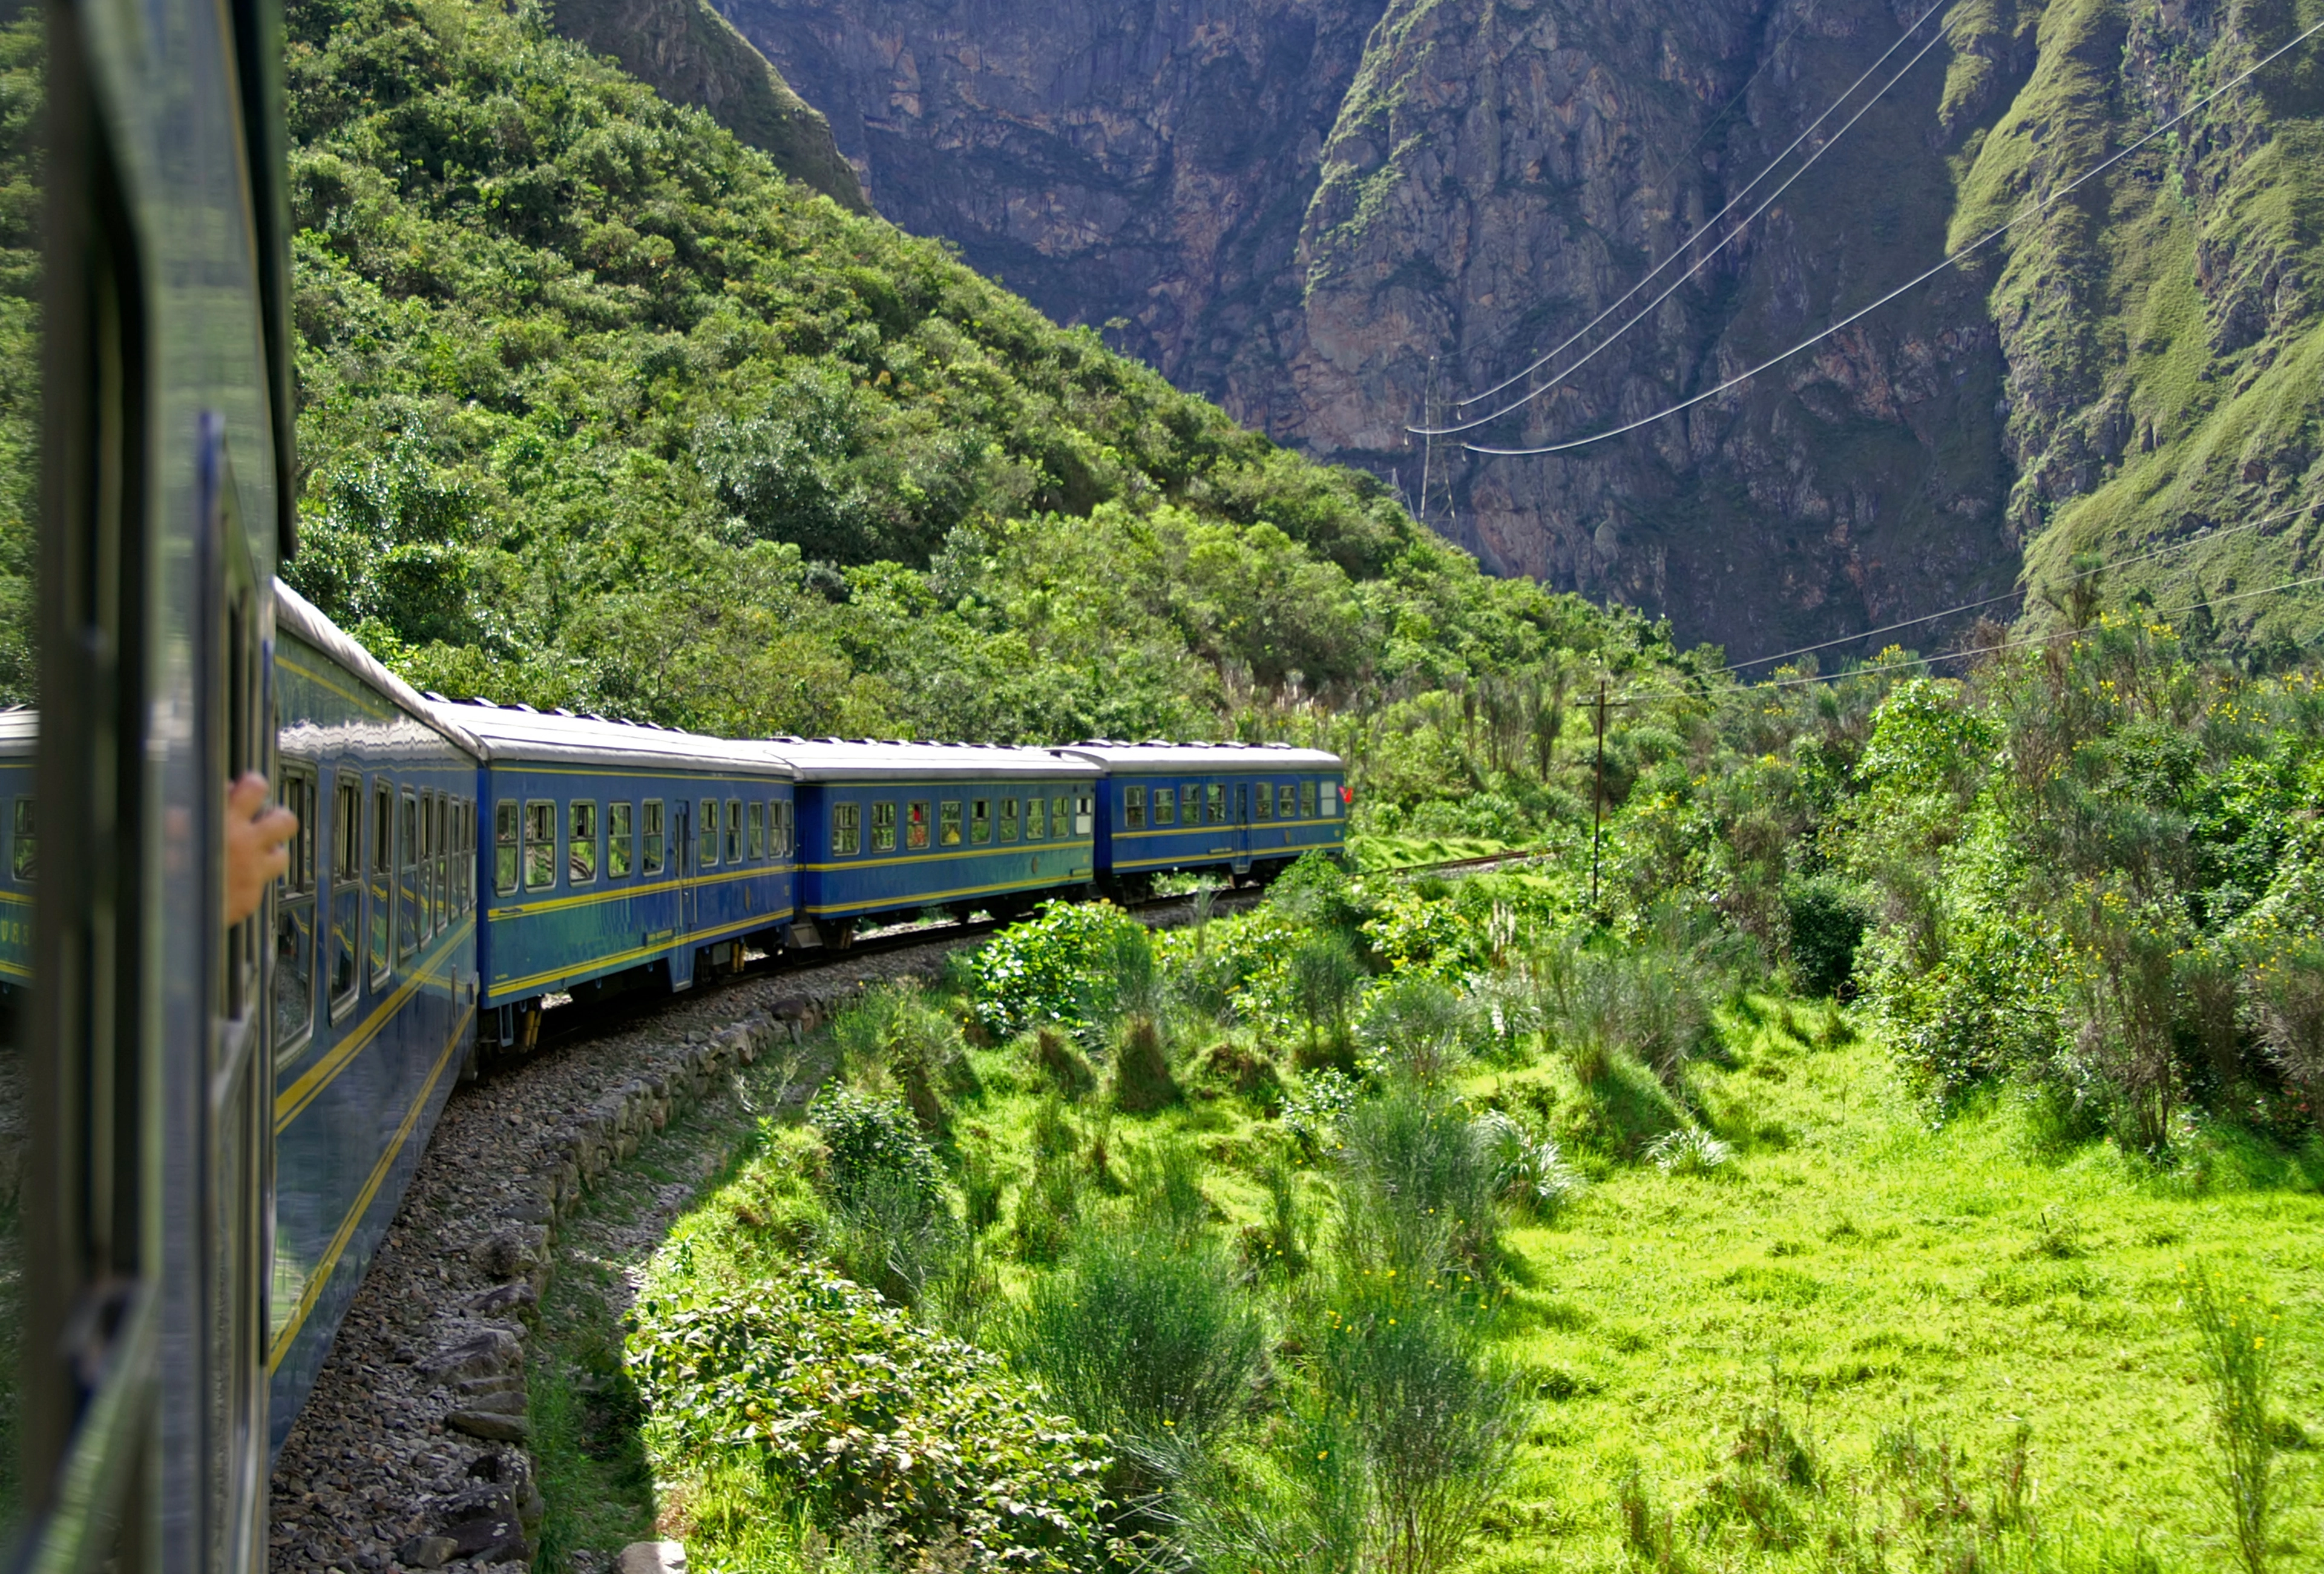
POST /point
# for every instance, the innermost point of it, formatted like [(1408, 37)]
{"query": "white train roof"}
[(1125, 758), (520, 734), (897, 760), (19, 732), (295, 613)]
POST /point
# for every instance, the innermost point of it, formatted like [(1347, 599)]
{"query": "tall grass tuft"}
[(1142, 1080), (2236, 1339), (1415, 1023), (1327, 978), (1528, 1171), (1417, 1188)]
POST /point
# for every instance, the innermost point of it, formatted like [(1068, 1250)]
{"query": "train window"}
[(443, 861), (407, 878), (1036, 819), (581, 841), (1133, 809), (883, 828), (427, 865), (846, 829), (757, 831), (733, 830), (294, 921), (1214, 811), (1306, 799), (1287, 801), (1330, 799), (1242, 803), (649, 836), (345, 969), (1083, 819), (467, 851), (504, 847), (780, 825), (383, 876), (24, 851), (706, 835), (1061, 812), (1165, 805), (980, 820), (1264, 802), (916, 826), (1009, 820), (618, 844), (949, 824), (539, 843)]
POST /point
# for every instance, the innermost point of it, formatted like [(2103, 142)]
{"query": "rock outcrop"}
[(1343, 216)]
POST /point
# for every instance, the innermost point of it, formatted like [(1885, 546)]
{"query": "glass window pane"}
[(757, 831), (1009, 820), (539, 843), (649, 833), (382, 874), (1133, 808), (24, 847), (407, 878), (1165, 805), (949, 824), (733, 830), (1306, 799), (846, 828), (883, 828), (1216, 812), (617, 840), (1264, 803), (706, 834), (1287, 801), (980, 822), (1061, 817), (294, 971), (915, 827), (1036, 819), (581, 842), (505, 846)]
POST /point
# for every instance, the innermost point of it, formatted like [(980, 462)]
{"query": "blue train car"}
[(896, 827), (617, 855), (370, 986), (1248, 808)]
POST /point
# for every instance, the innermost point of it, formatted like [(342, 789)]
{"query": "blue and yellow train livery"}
[(617, 855), (1250, 808), (370, 989), (897, 827)]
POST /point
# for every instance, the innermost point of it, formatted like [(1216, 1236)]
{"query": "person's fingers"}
[(246, 795), (276, 826)]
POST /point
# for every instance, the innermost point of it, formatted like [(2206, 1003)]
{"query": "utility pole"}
[(1598, 794)]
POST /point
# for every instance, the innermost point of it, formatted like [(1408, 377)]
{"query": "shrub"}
[(1071, 960), (871, 1141), (1143, 1336), (2237, 1343), (1326, 977), (1825, 922), (2291, 1011), (1283, 1241), (1647, 1004), (1141, 1068), (888, 1233), (1418, 1192), (846, 1402), (1414, 1022), (1312, 1114)]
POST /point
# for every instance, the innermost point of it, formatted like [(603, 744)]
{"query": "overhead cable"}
[(1952, 260), (1703, 260)]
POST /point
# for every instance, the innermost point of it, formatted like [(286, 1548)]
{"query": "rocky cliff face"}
[(1341, 217)]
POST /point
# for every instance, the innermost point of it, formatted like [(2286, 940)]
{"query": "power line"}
[(1952, 260), (2196, 541), (1704, 261), (1732, 203)]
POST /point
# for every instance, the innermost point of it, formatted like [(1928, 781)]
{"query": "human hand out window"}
[(257, 836)]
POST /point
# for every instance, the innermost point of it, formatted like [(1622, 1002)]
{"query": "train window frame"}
[(846, 829), (1037, 820), (980, 823), (883, 827), (1262, 802), (757, 840), (1307, 799), (706, 835), (1166, 807), (581, 841), (621, 838), (652, 848), (380, 934), (1062, 822), (466, 856), (1009, 820), (539, 843), (1133, 807), (297, 790), (915, 825), (407, 872), (444, 888), (733, 830), (1214, 803), (507, 860), (1287, 801), (949, 831), (23, 841), (1330, 796), (347, 881), (788, 813)]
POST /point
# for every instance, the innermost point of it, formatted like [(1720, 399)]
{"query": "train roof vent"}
[(527, 710), (480, 700), (431, 694), (559, 710)]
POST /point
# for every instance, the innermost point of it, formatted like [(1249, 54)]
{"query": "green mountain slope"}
[(599, 410)]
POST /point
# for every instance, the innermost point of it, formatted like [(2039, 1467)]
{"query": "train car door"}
[(681, 961)]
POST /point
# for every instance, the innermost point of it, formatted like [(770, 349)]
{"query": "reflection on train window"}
[(1165, 805), (916, 826), (539, 843), (980, 820), (382, 874), (407, 877), (427, 904), (780, 824), (1306, 799), (846, 829), (1061, 823), (948, 823), (581, 842), (1264, 804), (1215, 811), (1133, 809), (504, 847), (443, 845), (1084, 821), (23, 848), (617, 840), (294, 921), (1286, 801), (1330, 799), (1009, 820), (733, 830), (883, 828), (467, 850), (1036, 819), (757, 831), (706, 835), (650, 834), (344, 974)]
